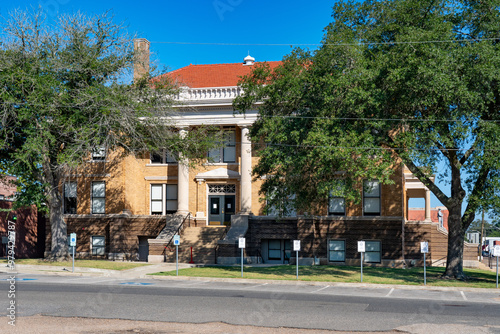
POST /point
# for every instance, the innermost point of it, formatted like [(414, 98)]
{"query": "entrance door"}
[(221, 208), (143, 248)]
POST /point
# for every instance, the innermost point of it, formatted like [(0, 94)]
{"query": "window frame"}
[(278, 241), (99, 154), (165, 199), (373, 252), (93, 248), (336, 213), (66, 198), (279, 210), (93, 198), (344, 241), (371, 196), (218, 154), (166, 158)]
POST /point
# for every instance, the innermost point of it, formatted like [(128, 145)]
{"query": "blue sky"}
[(196, 22), (206, 21)]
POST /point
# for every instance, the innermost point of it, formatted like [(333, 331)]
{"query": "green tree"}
[(63, 95), (413, 80)]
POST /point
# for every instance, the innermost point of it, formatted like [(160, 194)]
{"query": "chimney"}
[(141, 58)]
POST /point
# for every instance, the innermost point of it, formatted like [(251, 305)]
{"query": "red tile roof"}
[(215, 75)]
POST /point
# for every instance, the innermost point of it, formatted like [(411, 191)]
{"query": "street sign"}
[(424, 247), (72, 240), (496, 250), (361, 246), (177, 240), (296, 245), (241, 243)]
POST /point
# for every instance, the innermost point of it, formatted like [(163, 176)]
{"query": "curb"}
[(313, 283)]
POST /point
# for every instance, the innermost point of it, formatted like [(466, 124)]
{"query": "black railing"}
[(260, 255)]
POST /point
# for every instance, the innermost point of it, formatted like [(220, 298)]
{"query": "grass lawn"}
[(99, 264), (345, 274)]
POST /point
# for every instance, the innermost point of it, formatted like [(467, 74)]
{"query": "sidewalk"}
[(139, 272)]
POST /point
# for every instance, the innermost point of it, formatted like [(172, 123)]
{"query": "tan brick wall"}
[(128, 189)]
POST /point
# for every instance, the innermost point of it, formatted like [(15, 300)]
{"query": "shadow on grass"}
[(345, 274)]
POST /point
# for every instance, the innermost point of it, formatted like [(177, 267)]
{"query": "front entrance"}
[(220, 209)]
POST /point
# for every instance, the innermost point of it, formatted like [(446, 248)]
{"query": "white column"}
[(183, 181), (427, 205), (246, 172)]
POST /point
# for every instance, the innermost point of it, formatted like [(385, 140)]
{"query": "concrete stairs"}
[(203, 240)]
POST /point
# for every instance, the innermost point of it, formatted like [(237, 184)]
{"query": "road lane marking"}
[(390, 292), (463, 295), (323, 288)]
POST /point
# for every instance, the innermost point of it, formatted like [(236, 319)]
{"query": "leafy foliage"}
[(62, 96), (415, 81)]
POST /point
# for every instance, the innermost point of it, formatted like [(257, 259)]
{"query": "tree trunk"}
[(454, 260), (59, 242)]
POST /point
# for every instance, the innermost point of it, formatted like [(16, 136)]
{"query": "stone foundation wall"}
[(121, 233)]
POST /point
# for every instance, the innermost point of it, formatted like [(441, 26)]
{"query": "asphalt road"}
[(261, 304)]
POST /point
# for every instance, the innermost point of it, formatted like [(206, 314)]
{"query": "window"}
[(163, 199), (274, 250), (70, 198), (99, 154), (171, 199), (371, 198), (163, 157), (372, 252), (156, 199), (336, 206), (226, 153), (2, 197), (285, 207), (98, 197), (98, 244), (336, 250)]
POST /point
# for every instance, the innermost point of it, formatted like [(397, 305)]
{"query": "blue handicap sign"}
[(19, 279)]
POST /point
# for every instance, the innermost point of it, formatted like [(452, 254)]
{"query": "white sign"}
[(177, 240), (296, 245), (72, 240), (496, 250), (424, 247), (241, 243), (361, 246)]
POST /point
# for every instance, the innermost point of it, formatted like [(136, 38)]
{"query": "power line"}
[(372, 148), (179, 114), (329, 44)]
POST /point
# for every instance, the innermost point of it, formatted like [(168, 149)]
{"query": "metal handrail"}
[(260, 255), (180, 227)]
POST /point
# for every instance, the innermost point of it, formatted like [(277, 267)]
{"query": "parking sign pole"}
[(425, 274), (497, 272), (177, 260), (242, 263), (362, 267), (73, 270)]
